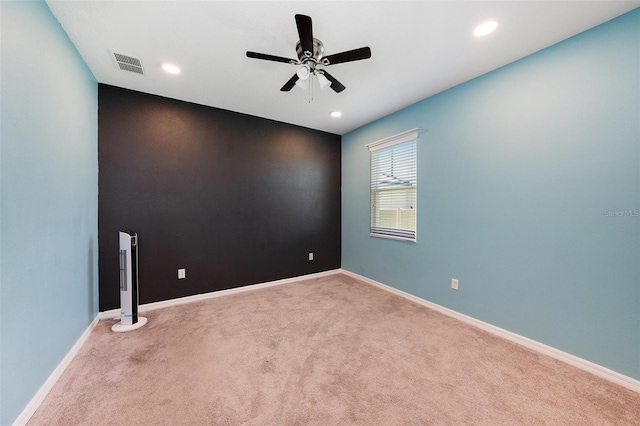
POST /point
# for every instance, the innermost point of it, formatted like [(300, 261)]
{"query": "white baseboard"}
[(112, 313), (35, 402), (575, 361), (591, 367)]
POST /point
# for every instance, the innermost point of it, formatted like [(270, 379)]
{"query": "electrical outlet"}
[(454, 283), (182, 273), (310, 256)]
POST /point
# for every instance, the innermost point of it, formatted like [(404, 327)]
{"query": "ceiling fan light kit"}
[(303, 72), (303, 84), (310, 52), (323, 81)]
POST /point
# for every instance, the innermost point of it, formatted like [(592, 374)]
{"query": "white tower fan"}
[(129, 319)]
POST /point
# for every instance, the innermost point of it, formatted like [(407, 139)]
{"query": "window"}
[(394, 186)]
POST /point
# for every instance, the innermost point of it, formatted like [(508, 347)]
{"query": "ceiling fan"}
[(311, 56)]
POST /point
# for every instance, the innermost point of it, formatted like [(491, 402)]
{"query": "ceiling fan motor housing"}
[(317, 54)]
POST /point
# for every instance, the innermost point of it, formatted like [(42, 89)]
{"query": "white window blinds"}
[(394, 186)]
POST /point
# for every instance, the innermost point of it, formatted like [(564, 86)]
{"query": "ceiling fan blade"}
[(289, 84), (348, 56), (305, 31), (335, 84), (270, 57)]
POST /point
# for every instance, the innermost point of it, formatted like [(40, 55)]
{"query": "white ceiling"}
[(418, 49)]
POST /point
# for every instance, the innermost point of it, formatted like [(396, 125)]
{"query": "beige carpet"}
[(327, 351)]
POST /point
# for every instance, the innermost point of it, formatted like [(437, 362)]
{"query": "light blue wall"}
[(49, 196), (522, 175)]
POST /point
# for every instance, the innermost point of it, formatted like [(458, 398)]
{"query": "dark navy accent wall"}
[(234, 199)]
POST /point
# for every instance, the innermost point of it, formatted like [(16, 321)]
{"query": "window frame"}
[(394, 233)]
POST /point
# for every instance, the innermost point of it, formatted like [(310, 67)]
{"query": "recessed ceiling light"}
[(336, 114), (486, 27), (171, 69)]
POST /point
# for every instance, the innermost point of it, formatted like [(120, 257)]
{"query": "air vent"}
[(128, 63)]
